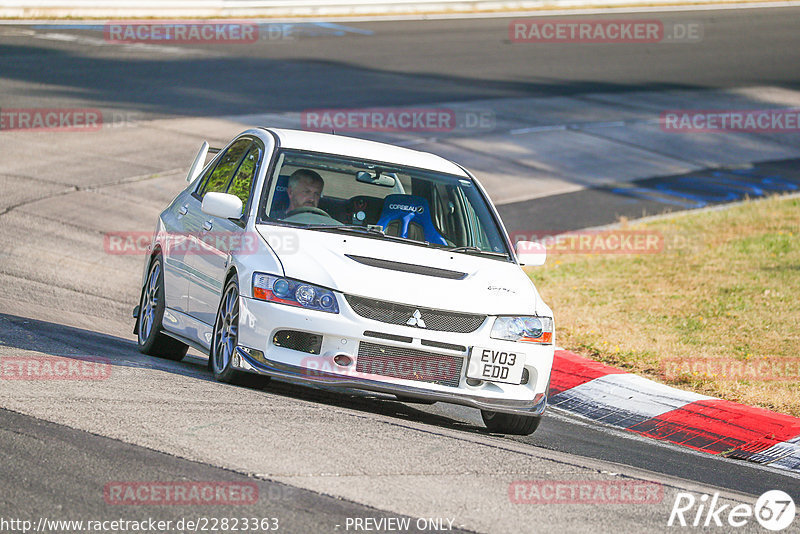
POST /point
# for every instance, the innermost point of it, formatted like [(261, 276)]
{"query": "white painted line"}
[(634, 394), (788, 452), (532, 129), (96, 41), (612, 124)]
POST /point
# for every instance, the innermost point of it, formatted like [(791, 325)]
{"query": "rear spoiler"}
[(200, 161)]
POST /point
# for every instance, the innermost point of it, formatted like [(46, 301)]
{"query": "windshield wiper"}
[(472, 248), (377, 230)]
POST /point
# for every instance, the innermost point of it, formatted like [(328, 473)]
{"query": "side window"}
[(483, 233), (228, 163), (479, 238), (243, 180), (449, 216)]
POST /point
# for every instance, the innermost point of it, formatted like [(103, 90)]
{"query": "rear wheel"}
[(150, 339), (225, 340), (506, 423)]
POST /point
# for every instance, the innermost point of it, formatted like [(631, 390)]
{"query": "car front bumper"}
[(244, 362), (343, 333)]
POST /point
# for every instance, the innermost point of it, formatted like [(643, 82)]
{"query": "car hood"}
[(377, 268)]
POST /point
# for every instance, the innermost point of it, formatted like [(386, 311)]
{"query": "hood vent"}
[(408, 267)]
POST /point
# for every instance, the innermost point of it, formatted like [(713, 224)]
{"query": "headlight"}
[(526, 329), (294, 293)]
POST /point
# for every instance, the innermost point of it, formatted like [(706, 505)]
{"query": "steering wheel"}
[(308, 209)]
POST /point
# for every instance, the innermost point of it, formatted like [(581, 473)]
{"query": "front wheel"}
[(225, 340), (150, 339), (514, 424)]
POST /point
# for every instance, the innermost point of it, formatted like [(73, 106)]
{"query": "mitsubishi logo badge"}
[(416, 320)]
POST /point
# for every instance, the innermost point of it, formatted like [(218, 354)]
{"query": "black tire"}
[(151, 340), (506, 423), (225, 340)]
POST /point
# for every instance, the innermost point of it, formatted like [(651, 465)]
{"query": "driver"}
[(304, 189)]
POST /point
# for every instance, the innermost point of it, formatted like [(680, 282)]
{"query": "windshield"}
[(334, 193)]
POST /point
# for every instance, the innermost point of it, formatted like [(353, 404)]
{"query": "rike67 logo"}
[(774, 510)]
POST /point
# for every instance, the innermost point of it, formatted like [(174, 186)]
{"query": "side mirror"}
[(530, 253), (222, 205), (198, 164)]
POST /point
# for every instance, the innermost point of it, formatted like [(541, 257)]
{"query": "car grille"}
[(440, 345), (409, 364), (390, 312), (390, 337), (407, 339)]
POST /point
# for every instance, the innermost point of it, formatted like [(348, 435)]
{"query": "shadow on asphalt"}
[(244, 81), (70, 342)]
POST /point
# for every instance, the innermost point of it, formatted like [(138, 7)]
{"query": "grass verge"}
[(714, 309)]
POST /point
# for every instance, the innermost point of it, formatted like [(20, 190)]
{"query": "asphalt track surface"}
[(52, 470), (53, 467), (394, 63)]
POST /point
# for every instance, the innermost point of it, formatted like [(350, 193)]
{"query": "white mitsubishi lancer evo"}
[(328, 260)]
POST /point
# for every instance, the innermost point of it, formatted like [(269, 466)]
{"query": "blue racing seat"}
[(280, 199), (409, 216)]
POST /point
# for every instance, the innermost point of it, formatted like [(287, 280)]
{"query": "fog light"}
[(343, 360), (526, 376), (474, 382)]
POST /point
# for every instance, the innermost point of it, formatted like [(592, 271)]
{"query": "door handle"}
[(207, 226), (184, 209)]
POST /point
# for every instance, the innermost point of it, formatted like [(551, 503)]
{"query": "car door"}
[(174, 249), (217, 236)]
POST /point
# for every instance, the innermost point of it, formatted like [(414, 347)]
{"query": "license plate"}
[(496, 365)]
